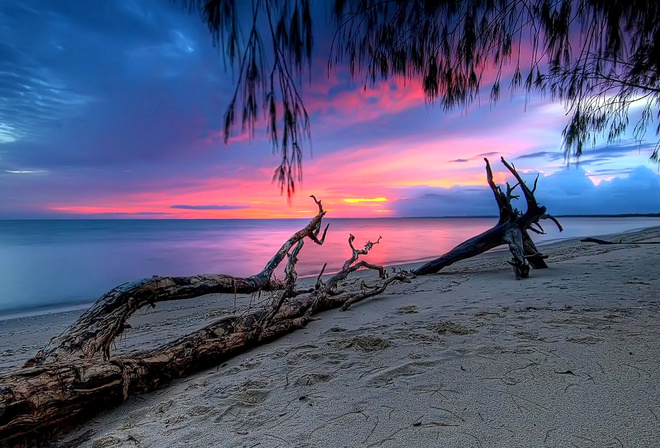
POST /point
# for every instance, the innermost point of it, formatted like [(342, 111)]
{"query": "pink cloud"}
[(372, 170), (352, 105), (367, 172)]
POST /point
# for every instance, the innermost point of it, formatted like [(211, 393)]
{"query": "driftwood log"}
[(512, 228), (75, 376)]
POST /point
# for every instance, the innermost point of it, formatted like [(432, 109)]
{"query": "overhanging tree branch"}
[(576, 50)]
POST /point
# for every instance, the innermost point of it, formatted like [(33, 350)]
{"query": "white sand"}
[(466, 358)]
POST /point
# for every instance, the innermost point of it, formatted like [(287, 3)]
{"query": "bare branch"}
[(87, 337), (68, 382), (512, 229), (367, 292), (553, 219)]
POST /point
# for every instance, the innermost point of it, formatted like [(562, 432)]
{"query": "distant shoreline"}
[(45, 311), (619, 215), (67, 308)]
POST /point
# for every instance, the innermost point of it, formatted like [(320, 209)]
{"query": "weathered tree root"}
[(74, 376), (95, 330), (512, 228)]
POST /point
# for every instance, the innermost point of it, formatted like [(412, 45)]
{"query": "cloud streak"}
[(209, 207)]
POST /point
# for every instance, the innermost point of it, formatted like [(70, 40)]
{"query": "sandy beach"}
[(469, 357)]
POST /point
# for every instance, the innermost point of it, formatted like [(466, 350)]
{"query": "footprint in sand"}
[(364, 343), (408, 309), (308, 353), (252, 392), (200, 410), (590, 340), (408, 369), (417, 336), (526, 335), (107, 441), (312, 378), (450, 327)]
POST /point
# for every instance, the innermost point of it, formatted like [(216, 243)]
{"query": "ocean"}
[(50, 265)]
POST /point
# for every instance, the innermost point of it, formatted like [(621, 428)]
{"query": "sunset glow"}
[(361, 200), (142, 135)]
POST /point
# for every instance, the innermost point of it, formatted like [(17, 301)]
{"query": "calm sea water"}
[(53, 264)]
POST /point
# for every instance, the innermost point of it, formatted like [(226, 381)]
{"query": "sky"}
[(114, 109)]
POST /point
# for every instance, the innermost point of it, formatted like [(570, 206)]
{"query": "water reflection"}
[(57, 263)]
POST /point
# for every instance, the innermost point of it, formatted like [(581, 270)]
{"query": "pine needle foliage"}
[(600, 58)]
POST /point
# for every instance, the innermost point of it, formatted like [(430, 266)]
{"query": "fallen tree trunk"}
[(95, 330), (512, 229), (75, 377)]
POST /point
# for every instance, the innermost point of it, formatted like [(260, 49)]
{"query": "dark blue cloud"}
[(96, 84), (569, 192), (609, 152), (546, 155), (599, 155), (477, 157), (454, 201)]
